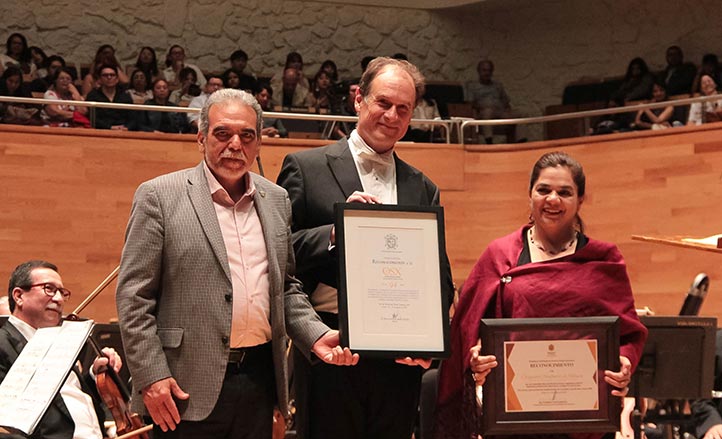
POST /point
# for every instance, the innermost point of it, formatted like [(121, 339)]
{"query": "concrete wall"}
[(538, 45)]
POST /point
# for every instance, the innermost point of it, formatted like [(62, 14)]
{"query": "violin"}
[(110, 387)]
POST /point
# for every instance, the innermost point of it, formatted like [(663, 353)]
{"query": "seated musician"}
[(36, 295), (547, 268)]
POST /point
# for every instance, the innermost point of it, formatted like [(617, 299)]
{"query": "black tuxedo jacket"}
[(316, 179)]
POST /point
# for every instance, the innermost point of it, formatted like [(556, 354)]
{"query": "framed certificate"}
[(390, 296), (550, 377)]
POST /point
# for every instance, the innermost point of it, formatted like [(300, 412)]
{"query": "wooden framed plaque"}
[(390, 295), (550, 377)]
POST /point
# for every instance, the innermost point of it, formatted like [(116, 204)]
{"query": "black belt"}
[(252, 354)]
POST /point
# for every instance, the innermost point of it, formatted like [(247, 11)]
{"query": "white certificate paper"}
[(551, 375), (393, 282)]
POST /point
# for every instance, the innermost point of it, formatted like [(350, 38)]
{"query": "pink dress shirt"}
[(248, 261)]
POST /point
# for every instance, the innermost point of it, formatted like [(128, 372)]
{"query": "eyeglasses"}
[(108, 75), (50, 290)]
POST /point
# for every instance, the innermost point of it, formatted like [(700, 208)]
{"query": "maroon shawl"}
[(591, 282)]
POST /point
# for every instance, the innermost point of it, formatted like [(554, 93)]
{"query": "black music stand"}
[(677, 364)]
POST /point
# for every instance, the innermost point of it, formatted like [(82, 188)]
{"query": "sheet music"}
[(39, 372)]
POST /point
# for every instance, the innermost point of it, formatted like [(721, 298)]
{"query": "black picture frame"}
[(495, 334), (402, 227)]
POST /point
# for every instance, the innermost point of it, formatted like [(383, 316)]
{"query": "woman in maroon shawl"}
[(548, 268)]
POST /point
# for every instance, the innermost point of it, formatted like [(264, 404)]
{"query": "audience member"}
[(18, 55), (189, 88), (490, 101), (11, 84), (160, 121), (294, 61), (346, 108), (231, 79), (42, 83), (291, 93), (215, 83), (104, 56), (148, 63), (708, 111), (637, 83), (323, 94), (272, 127), (365, 62), (61, 114), (656, 118), (678, 75), (330, 68), (40, 60), (710, 67), (175, 62), (239, 61), (110, 118), (139, 87), (425, 109)]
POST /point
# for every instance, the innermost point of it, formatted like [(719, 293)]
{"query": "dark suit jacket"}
[(174, 289), (316, 179), (56, 423)]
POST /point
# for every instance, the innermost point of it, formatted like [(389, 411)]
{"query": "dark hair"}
[(485, 61), (558, 158), (100, 58), (25, 53), (710, 58), (376, 66), (293, 57), (9, 72), (145, 75), (400, 56), (214, 75), (52, 58), (638, 62), (44, 62), (334, 75), (226, 76), (365, 62), (239, 54), (659, 82), (168, 59), (150, 70), (57, 73), (185, 71), (22, 277), (262, 85), (107, 66)]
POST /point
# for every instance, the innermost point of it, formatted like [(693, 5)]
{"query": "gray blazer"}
[(174, 289)]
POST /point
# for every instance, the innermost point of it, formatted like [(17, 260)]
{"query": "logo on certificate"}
[(392, 241)]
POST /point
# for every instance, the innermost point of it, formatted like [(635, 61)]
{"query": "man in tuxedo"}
[(36, 297), (206, 289), (377, 398)]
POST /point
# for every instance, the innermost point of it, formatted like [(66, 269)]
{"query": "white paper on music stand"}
[(38, 373)]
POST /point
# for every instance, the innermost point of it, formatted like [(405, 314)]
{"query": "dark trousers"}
[(377, 398), (244, 409)]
